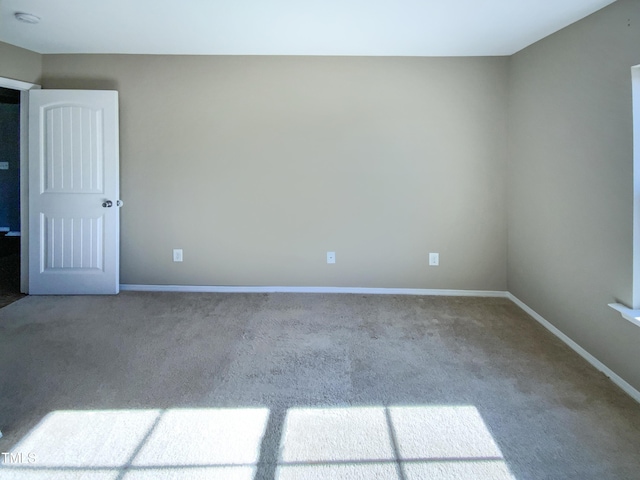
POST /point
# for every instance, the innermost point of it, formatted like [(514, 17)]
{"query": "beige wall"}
[(570, 182), (257, 166), (20, 64)]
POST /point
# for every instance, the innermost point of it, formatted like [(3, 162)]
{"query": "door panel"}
[(71, 243), (74, 148), (73, 172)]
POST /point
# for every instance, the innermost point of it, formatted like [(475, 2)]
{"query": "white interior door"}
[(74, 218)]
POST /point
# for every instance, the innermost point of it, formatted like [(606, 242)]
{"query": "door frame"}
[(24, 88)]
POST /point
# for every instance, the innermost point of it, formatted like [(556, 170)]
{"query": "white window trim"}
[(629, 313), (633, 313)]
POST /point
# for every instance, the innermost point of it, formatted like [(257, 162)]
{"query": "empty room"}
[(319, 240)]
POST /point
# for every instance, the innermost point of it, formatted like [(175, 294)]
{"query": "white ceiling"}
[(289, 27)]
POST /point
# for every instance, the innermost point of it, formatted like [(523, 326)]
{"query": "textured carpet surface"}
[(301, 386)]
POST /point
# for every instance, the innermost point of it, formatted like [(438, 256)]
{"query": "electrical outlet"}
[(177, 254), (434, 259), (331, 257), (4, 165)]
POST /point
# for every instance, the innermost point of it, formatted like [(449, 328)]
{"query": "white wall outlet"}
[(177, 254), (331, 257), (4, 165), (434, 259)]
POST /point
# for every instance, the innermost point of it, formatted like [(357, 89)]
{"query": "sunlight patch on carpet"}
[(447, 442), (412, 442)]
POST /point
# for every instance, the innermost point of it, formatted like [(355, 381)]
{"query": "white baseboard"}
[(356, 290), (635, 394)]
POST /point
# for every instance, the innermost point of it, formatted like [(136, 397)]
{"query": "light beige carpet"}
[(301, 386)]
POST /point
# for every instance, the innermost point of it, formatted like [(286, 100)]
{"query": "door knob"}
[(107, 203)]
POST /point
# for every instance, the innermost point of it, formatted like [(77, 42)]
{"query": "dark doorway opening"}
[(9, 196)]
